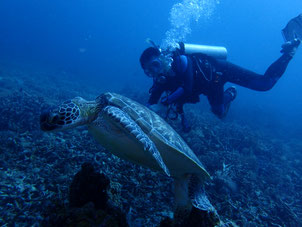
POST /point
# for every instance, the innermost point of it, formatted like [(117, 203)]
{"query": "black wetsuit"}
[(195, 75)]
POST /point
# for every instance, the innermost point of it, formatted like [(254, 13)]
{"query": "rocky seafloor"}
[(256, 177)]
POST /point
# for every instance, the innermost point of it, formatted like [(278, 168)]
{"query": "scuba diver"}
[(184, 75)]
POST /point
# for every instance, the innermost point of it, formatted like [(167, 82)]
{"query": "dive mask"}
[(154, 68), (159, 66)]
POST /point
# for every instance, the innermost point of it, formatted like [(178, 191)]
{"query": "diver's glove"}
[(172, 98), (290, 47), (165, 101)]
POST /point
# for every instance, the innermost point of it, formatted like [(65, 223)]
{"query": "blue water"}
[(100, 42)]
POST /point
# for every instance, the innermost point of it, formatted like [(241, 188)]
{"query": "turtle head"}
[(69, 114)]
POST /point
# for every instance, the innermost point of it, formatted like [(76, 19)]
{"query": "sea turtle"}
[(135, 133)]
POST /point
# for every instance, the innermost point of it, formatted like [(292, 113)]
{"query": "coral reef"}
[(256, 176), (88, 203)]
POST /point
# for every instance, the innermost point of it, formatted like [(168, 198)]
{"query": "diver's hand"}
[(290, 47), (165, 101), (153, 107)]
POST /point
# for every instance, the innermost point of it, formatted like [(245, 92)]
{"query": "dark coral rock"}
[(202, 218), (87, 203), (89, 186), (197, 218), (117, 215), (84, 216), (167, 222)]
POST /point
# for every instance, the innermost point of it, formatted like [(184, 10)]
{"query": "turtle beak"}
[(49, 119)]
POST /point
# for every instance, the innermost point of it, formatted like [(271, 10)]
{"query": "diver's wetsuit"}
[(203, 75)]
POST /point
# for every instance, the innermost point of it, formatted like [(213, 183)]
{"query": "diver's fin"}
[(293, 29)]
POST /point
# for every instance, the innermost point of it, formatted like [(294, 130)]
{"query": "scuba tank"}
[(217, 52)]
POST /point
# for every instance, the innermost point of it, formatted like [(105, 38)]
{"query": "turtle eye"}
[(54, 119)]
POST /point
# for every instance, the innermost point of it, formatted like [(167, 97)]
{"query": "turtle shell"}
[(176, 154)]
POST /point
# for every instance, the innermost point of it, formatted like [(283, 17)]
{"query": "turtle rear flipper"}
[(192, 206), (202, 210), (197, 194)]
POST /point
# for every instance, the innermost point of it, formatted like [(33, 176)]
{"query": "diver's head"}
[(147, 55), (156, 64)]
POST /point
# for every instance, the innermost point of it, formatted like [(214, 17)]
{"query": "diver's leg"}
[(254, 81), (220, 100)]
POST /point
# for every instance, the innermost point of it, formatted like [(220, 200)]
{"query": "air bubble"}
[(181, 16)]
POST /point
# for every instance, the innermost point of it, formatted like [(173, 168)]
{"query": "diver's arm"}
[(184, 70), (172, 98), (156, 92), (188, 78)]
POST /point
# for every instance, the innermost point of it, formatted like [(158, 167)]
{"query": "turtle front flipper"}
[(123, 137)]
